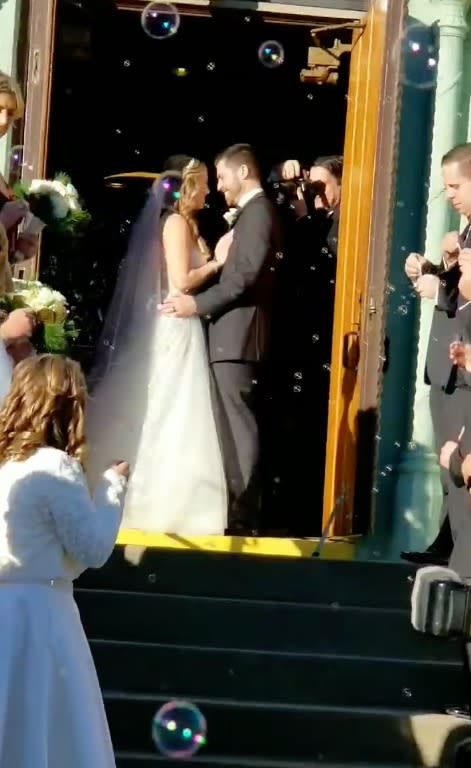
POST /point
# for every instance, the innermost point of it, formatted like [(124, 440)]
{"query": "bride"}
[(151, 399)]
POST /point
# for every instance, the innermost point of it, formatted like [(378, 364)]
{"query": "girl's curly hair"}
[(45, 407)]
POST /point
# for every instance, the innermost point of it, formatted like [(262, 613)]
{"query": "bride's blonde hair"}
[(9, 85), (184, 205)]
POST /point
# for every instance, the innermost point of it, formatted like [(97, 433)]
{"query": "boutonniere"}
[(230, 216)]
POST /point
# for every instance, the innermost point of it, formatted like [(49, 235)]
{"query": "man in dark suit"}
[(238, 311), (450, 388)]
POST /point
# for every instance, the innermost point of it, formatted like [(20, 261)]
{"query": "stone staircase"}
[(293, 662)]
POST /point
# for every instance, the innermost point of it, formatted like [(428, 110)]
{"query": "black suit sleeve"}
[(252, 240)]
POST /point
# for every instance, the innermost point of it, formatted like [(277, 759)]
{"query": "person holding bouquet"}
[(13, 212), (17, 332), (51, 531)]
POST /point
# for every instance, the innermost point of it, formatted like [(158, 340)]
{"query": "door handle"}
[(351, 350)]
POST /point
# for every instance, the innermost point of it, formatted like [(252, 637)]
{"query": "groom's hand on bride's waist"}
[(178, 306)]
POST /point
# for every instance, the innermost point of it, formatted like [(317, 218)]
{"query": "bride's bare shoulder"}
[(176, 228), (175, 221)]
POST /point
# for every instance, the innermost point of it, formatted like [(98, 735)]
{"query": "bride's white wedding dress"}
[(153, 408)]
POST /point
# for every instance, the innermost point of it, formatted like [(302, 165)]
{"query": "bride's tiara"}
[(190, 165)]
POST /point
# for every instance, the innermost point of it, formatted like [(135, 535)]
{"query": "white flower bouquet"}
[(53, 204), (50, 308), (49, 305)]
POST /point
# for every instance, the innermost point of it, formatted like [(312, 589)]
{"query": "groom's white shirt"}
[(6, 371), (248, 196)]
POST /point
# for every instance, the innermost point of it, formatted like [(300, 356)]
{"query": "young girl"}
[(51, 710)]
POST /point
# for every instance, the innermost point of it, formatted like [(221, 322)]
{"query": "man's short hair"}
[(332, 163), (241, 154), (176, 163), (460, 154)]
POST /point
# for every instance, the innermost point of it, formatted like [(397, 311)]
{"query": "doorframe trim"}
[(204, 7), (373, 323), (352, 483)]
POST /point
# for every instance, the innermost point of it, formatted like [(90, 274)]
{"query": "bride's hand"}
[(222, 248), (121, 468)]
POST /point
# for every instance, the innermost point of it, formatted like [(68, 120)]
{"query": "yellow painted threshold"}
[(340, 548)]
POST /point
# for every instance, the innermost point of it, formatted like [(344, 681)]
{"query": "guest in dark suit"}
[(450, 388), (456, 454), (238, 312)]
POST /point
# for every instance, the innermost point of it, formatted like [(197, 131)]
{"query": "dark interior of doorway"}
[(123, 102)]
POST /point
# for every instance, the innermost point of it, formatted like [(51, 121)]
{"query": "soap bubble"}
[(419, 57), (160, 20), (179, 729), (271, 54)]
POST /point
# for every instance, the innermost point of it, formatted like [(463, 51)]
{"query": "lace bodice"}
[(50, 528)]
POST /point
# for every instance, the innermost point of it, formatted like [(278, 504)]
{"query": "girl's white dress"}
[(51, 708)]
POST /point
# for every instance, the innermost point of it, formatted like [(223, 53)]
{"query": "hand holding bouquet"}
[(49, 306), (52, 204)]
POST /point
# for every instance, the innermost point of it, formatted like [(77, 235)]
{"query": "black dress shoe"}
[(429, 557)]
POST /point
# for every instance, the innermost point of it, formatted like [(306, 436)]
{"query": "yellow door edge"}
[(337, 548)]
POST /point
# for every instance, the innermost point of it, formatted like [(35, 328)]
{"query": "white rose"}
[(44, 296), (71, 191), (40, 187), (58, 298), (59, 187), (230, 215), (60, 207)]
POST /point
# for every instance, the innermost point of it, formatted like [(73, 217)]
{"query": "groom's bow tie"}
[(232, 215)]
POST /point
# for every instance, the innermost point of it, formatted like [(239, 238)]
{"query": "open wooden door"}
[(367, 192), (41, 37)]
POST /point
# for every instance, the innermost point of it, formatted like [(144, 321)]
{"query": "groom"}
[(238, 312)]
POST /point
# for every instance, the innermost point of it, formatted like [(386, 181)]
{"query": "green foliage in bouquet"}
[(55, 338), (51, 337), (55, 203)]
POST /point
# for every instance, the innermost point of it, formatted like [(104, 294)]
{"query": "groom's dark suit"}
[(238, 311)]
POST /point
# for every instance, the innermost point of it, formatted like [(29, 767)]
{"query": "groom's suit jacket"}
[(238, 307)]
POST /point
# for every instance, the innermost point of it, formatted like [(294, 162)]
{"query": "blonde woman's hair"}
[(9, 85), (45, 407), (184, 206)]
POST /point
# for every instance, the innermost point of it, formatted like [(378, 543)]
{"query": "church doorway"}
[(122, 102)]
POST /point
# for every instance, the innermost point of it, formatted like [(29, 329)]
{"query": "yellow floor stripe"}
[(334, 549)]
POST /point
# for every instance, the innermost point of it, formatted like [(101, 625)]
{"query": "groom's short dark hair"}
[(241, 154)]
